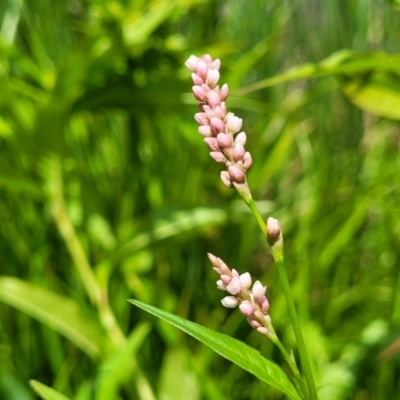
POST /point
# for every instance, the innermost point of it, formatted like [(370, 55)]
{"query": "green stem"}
[(277, 253), (304, 360)]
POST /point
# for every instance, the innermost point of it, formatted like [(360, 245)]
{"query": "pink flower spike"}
[(253, 322), (246, 280), (223, 94), (192, 63), (226, 179), (218, 156), (246, 308), (236, 174), (205, 130), (258, 290), (230, 301), (235, 286), (212, 77), (238, 152), (202, 69), (212, 144), (200, 93), (224, 268), (213, 99)]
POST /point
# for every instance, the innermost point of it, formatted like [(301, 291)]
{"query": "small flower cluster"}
[(252, 303), (216, 124)]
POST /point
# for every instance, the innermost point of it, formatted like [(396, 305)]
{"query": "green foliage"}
[(107, 193), (237, 352)]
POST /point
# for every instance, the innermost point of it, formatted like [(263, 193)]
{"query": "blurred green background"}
[(108, 193)]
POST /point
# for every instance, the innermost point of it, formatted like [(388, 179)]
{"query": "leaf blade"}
[(238, 352)]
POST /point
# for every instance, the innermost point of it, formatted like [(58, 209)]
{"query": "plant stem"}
[(277, 253)]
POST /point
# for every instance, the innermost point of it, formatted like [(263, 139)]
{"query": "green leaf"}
[(60, 313), (45, 392), (238, 352)]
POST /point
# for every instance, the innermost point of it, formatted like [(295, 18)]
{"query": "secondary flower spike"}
[(252, 302), (219, 127)]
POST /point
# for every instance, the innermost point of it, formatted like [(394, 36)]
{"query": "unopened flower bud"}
[(246, 308), (233, 123), (263, 330), (207, 59), (230, 301), (226, 179), (218, 156), (192, 63), (224, 140), (197, 80), (216, 64), (221, 285), (201, 118), (217, 125), (202, 69), (273, 230), (205, 130), (258, 290), (213, 99), (236, 174), (212, 77), (247, 161), (241, 138), (212, 143), (246, 280), (234, 286), (238, 152), (223, 94), (200, 93), (253, 322), (226, 279)]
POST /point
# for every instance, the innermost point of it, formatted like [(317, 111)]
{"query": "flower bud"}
[(234, 286), (212, 77), (192, 63), (226, 179), (223, 94), (200, 93), (217, 125), (201, 118), (273, 230), (246, 280), (205, 130), (202, 69), (224, 140), (197, 79), (233, 123), (230, 301), (212, 143), (236, 174), (216, 64), (246, 308), (206, 58), (238, 152), (247, 161), (218, 156), (258, 290), (221, 285), (213, 99), (241, 138)]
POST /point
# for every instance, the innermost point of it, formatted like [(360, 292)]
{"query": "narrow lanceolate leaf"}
[(45, 392), (238, 352), (58, 312)]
